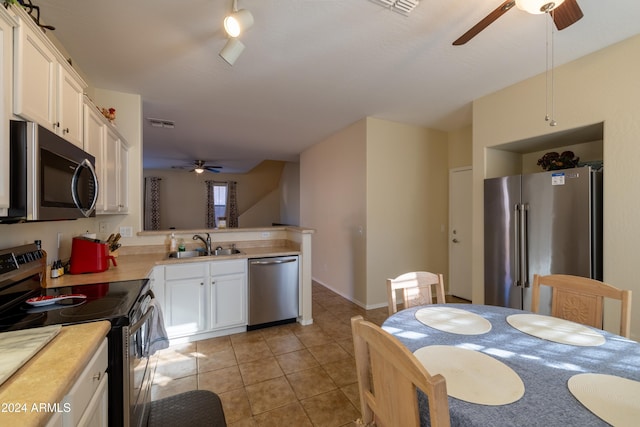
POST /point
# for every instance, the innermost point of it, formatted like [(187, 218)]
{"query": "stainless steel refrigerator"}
[(542, 223)]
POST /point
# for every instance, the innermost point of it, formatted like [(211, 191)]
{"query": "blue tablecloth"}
[(544, 367)]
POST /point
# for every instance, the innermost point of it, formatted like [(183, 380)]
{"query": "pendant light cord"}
[(550, 32)]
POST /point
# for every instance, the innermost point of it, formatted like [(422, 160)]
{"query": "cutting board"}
[(17, 347)]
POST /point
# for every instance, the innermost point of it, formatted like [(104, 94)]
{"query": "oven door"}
[(140, 366)]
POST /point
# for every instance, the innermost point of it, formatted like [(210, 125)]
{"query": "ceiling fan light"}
[(238, 22), (198, 170), (538, 6)]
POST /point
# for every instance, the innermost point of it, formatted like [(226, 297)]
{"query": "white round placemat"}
[(555, 329), (453, 320), (614, 399), (472, 376)]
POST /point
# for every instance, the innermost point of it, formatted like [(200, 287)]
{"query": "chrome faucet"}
[(207, 242)]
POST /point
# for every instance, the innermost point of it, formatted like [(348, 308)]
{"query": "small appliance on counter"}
[(89, 256)]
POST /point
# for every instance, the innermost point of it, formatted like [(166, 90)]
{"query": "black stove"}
[(126, 304), (21, 271)]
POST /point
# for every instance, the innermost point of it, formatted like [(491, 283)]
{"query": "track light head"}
[(237, 22)]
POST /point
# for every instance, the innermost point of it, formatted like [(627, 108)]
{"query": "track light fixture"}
[(238, 21), (232, 50), (234, 24)]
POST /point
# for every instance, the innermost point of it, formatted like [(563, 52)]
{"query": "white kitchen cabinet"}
[(110, 174), (47, 90), (6, 61), (94, 144), (87, 401), (203, 299), (228, 294), (69, 109), (185, 294), (110, 150), (123, 178), (115, 173)]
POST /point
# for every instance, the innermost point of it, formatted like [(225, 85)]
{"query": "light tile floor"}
[(289, 375)]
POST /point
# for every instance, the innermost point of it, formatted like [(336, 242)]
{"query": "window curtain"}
[(211, 207), (232, 205), (152, 203)]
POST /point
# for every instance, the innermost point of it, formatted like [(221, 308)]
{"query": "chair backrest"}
[(581, 299), (388, 374), (416, 289)]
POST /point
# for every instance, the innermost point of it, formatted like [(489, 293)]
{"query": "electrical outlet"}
[(102, 227), (126, 231)]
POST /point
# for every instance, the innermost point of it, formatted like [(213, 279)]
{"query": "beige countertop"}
[(138, 266), (48, 376)]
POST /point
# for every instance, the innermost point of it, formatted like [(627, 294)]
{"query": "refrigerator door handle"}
[(524, 245), (516, 247)]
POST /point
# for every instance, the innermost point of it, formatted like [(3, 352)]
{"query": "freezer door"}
[(501, 198), (559, 205)]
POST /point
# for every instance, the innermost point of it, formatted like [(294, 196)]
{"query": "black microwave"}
[(50, 178)]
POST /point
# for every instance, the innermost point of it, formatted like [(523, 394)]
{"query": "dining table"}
[(509, 367)]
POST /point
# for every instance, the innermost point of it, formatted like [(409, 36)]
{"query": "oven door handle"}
[(133, 329)]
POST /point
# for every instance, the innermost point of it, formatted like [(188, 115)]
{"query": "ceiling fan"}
[(563, 12), (200, 166)]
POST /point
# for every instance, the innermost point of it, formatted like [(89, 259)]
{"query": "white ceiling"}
[(310, 67)]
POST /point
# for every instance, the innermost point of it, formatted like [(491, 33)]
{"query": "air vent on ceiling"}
[(400, 6), (160, 123)]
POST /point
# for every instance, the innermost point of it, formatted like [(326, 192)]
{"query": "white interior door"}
[(460, 232)]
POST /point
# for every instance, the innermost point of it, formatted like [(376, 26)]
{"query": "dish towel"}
[(157, 333)]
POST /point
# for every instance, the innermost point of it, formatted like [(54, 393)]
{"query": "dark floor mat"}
[(193, 409)]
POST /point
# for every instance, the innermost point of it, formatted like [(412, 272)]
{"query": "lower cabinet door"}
[(228, 300), (185, 302), (97, 412)]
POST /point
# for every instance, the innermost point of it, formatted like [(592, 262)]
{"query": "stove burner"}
[(96, 308), (21, 321)]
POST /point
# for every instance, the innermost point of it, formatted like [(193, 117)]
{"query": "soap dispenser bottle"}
[(173, 244)]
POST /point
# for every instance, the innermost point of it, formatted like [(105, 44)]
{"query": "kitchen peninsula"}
[(152, 247)]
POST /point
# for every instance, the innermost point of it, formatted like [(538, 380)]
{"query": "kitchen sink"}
[(186, 254), (228, 251), (215, 252)]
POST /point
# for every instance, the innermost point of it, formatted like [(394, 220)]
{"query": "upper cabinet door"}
[(47, 90), (6, 61), (34, 71), (70, 99), (94, 144)]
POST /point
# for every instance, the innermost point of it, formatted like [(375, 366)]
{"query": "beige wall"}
[(184, 203), (290, 194), (601, 87), (333, 202), (407, 203), (460, 147), (376, 194)]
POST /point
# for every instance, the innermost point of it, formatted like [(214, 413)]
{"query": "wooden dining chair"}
[(416, 287), (581, 299), (388, 375)]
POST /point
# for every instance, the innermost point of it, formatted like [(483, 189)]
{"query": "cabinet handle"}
[(201, 283), (56, 125), (96, 377), (213, 282), (65, 130)]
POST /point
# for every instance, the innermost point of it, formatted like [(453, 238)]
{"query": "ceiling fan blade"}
[(213, 169), (568, 13), (485, 22)]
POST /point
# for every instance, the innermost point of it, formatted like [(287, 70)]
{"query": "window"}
[(219, 201)]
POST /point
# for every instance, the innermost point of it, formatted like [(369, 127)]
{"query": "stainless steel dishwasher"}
[(273, 291)]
